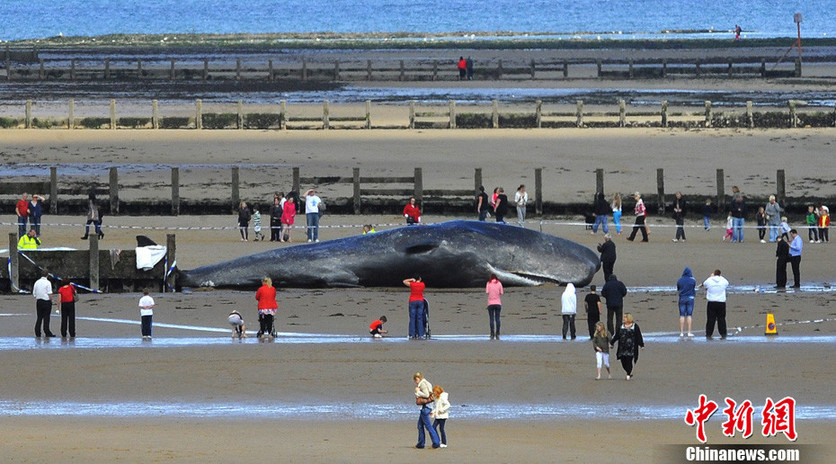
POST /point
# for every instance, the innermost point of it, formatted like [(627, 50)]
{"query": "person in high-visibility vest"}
[(30, 241)]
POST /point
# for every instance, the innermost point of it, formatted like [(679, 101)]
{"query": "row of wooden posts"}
[(417, 117), (437, 70), (358, 193)]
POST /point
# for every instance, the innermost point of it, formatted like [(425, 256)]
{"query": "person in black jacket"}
[(629, 338), (614, 292), (782, 255), (244, 216), (602, 211), (738, 212), (501, 207), (678, 208), (607, 250)]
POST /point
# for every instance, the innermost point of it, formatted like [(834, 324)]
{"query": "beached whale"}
[(451, 254)]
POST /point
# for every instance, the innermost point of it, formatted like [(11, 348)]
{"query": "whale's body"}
[(451, 254)]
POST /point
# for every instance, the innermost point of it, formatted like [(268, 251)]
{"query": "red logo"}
[(777, 417)]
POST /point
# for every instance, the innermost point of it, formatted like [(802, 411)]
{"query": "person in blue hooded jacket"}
[(686, 286)]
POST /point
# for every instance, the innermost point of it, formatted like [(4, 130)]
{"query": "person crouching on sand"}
[(236, 320), (376, 328)]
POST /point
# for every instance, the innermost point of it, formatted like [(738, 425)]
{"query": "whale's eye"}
[(422, 248)]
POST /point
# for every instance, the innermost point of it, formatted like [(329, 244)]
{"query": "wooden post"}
[(175, 191), (793, 115), (664, 113), (781, 186), (171, 73), (368, 70), (53, 190), (296, 180), (235, 194), (599, 65), (326, 122), (622, 113), (532, 69), (238, 69), (730, 67), (155, 114), (698, 70), (477, 179), (579, 121), (630, 69), (660, 189), (418, 192), (435, 70), (205, 70), (452, 114), (355, 174), (708, 113), (14, 261), (270, 70), (538, 191), (599, 180), (28, 115), (41, 70), (721, 189), (538, 113), (403, 72), (112, 114), (114, 191), (750, 118), (239, 122), (304, 72), (139, 69), (499, 69), (198, 115), (336, 70), (107, 69), (94, 261), (368, 114), (798, 67), (763, 67), (72, 69), (283, 115), (8, 69), (664, 68), (495, 115), (171, 258), (71, 115), (412, 114), (565, 68)]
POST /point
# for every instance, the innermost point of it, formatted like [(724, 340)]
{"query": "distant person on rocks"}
[(679, 209), (630, 340), (35, 213), (641, 216), (773, 217), (411, 212), (42, 291), (501, 207), (521, 200), (601, 343), (495, 291), (146, 313), (314, 207), (482, 204), (288, 218), (614, 292), (22, 211), (738, 210), (616, 212), (244, 216), (592, 303), (608, 256), (782, 257), (469, 65), (737, 31), (760, 218), (569, 309), (686, 286), (715, 292), (796, 244), (93, 217), (67, 296), (462, 67), (602, 212)]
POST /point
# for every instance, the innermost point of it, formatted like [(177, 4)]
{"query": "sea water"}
[(23, 19)]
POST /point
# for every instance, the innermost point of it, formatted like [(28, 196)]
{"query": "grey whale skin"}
[(453, 254)]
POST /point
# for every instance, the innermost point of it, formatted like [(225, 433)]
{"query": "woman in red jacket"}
[(267, 307), (411, 212)]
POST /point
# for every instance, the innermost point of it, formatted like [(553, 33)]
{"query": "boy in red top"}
[(416, 307), (267, 307), (462, 65), (67, 297), (22, 210), (411, 212), (376, 328)]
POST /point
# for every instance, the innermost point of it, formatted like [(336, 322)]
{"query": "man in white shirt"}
[(42, 291), (715, 292), (313, 205)]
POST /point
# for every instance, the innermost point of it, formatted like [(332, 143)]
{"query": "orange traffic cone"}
[(771, 328)]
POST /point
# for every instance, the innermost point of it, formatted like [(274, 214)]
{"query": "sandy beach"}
[(324, 391)]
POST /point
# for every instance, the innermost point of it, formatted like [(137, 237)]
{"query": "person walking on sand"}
[(424, 399), (495, 291), (796, 245), (616, 212), (501, 206), (614, 292), (679, 208), (288, 218), (22, 211), (482, 204), (773, 217), (93, 217), (146, 313), (67, 297), (42, 291), (715, 292), (601, 344), (641, 216), (440, 413), (569, 309), (629, 338), (738, 212), (267, 307), (602, 212), (686, 286), (521, 199), (592, 302), (608, 256), (313, 207), (417, 323)]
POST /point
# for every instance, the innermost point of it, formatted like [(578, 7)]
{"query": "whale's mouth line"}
[(524, 278), (539, 278)]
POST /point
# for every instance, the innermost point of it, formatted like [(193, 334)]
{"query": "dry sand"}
[(367, 385)]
